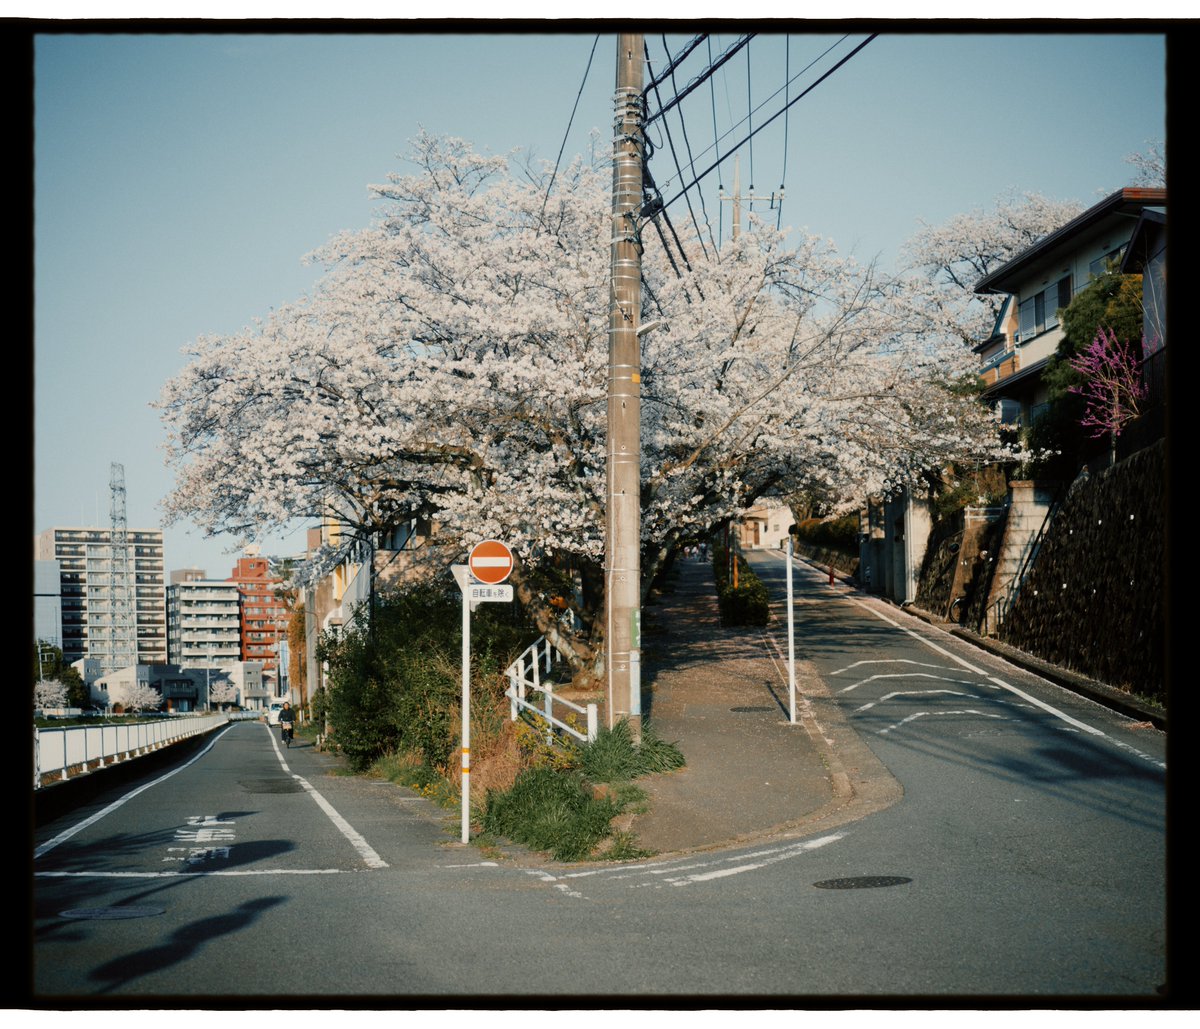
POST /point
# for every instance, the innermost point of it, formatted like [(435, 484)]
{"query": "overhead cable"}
[(570, 120), (713, 66), (773, 117), (673, 62)]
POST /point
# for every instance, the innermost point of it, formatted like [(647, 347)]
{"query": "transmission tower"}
[(112, 615)]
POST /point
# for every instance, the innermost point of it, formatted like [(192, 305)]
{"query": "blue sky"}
[(180, 179)]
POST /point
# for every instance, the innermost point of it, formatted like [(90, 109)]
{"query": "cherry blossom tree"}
[(222, 692), (49, 693), (1151, 164), (948, 259), (135, 696), (451, 366)]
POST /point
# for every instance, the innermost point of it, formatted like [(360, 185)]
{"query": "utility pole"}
[(622, 550), (737, 197)]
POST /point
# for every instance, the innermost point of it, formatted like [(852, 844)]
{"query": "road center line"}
[(365, 851)]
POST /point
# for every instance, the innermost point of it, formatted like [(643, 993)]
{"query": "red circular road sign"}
[(490, 561)]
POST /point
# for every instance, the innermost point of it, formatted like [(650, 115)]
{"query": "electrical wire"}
[(570, 121), (673, 62), (773, 117), (782, 89), (750, 118), (713, 66), (787, 40), (712, 92), (678, 169)]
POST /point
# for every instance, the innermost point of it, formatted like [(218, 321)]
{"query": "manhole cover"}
[(743, 710), (129, 911), (276, 785), (862, 882)]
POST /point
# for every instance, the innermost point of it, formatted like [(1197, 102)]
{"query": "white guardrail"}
[(525, 674), (78, 749)]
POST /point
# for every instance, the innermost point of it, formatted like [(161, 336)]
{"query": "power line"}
[(787, 51), (713, 66), (673, 62), (772, 118), (678, 169), (781, 89), (570, 121)]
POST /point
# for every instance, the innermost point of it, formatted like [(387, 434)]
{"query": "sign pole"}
[(466, 718), (791, 636), (481, 581)]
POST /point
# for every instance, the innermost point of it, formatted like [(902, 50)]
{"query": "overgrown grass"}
[(612, 757), (556, 807), (553, 811)]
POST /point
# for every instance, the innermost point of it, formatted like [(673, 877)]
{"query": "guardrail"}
[(78, 749), (525, 674)]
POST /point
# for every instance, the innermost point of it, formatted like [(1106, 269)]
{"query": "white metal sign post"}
[(791, 636), (479, 580)]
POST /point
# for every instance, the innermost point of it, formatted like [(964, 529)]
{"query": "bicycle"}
[(285, 732)]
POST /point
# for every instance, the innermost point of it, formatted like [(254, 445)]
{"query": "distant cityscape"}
[(102, 596)]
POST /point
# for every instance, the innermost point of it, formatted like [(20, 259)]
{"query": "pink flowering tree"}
[(1112, 387), (451, 367)]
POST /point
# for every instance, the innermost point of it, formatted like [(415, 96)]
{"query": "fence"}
[(78, 749), (525, 674)]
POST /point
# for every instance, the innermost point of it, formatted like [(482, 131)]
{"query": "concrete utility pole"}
[(737, 197), (622, 551)]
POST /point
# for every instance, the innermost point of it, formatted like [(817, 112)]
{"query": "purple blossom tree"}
[(1112, 386)]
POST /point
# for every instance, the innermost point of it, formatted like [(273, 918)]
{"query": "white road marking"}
[(365, 851), (923, 714), (899, 661), (909, 693), (965, 664), (668, 872), (66, 834), (908, 675)]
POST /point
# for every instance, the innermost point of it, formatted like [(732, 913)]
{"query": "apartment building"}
[(203, 623), (111, 597), (263, 615)]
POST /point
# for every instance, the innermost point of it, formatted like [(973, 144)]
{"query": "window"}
[(1010, 411), (1039, 312)]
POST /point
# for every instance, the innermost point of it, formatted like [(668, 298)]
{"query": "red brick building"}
[(263, 616)]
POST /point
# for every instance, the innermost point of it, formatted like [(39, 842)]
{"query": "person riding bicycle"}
[(287, 718)]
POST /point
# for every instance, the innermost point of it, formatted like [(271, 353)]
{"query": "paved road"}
[(1027, 857)]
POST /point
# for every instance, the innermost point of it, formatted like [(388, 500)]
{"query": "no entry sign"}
[(491, 561)]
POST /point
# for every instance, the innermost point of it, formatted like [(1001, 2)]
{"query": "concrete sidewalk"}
[(722, 696)]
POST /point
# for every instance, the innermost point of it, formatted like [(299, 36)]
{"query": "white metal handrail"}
[(78, 746), (525, 674)]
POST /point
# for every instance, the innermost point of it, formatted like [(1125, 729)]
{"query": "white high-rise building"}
[(112, 601), (203, 623)]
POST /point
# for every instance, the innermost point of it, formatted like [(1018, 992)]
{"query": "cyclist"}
[(287, 718)]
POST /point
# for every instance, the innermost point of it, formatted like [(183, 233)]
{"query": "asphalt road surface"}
[(1026, 859)]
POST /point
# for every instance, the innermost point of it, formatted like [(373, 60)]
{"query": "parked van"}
[(273, 712)]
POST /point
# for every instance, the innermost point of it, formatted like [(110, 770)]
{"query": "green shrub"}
[(552, 811), (836, 533), (612, 757), (748, 604), (397, 685)]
